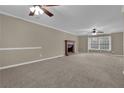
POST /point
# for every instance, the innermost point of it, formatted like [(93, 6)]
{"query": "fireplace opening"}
[(69, 47)]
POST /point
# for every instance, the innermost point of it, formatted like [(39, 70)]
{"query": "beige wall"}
[(117, 44), (0, 38), (83, 44), (123, 43), (19, 33), (0, 79)]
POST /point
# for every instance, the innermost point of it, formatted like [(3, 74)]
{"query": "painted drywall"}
[(123, 43), (0, 38), (0, 54), (117, 43), (0, 79), (83, 44), (17, 33), (116, 47)]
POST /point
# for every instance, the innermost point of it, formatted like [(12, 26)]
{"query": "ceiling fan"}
[(95, 31), (40, 9), (92, 31)]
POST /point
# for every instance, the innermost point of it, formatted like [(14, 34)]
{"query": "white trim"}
[(22, 48), (27, 20), (98, 39), (117, 55), (29, 62)]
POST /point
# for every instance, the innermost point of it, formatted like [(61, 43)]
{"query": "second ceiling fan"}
[(40, 9), (95, 31)]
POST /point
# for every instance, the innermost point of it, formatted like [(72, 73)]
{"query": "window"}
[(94, 43), (99, 43)]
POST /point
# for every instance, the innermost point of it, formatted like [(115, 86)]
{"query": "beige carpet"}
[(76, 71)]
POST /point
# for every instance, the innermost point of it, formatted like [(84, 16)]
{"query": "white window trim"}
[(89, 43)]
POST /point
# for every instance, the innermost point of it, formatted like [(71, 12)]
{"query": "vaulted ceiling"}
[(75, 19)]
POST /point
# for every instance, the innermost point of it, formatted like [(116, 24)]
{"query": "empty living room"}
[(61, 46)]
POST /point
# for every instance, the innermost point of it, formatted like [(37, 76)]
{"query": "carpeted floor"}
[(76, 71)]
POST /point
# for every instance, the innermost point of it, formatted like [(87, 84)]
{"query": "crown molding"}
[(27, 20)]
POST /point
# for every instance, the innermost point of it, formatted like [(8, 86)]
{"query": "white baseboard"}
[(119, 55), (103, 54), (29, 62)]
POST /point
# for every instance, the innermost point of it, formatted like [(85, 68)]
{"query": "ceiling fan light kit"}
[(32, 9), (94, 32), (36, 10), (40, 9)]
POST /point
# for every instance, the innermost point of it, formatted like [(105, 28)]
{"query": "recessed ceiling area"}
[(75, 19)]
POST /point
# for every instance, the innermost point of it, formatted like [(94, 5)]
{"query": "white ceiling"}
[(75, 19)]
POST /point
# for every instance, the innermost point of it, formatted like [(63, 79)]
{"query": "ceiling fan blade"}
[(31, 13), (47, 12), (100, 32), (50, 5)]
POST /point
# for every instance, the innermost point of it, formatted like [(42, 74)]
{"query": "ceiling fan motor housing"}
[(94, 30)]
